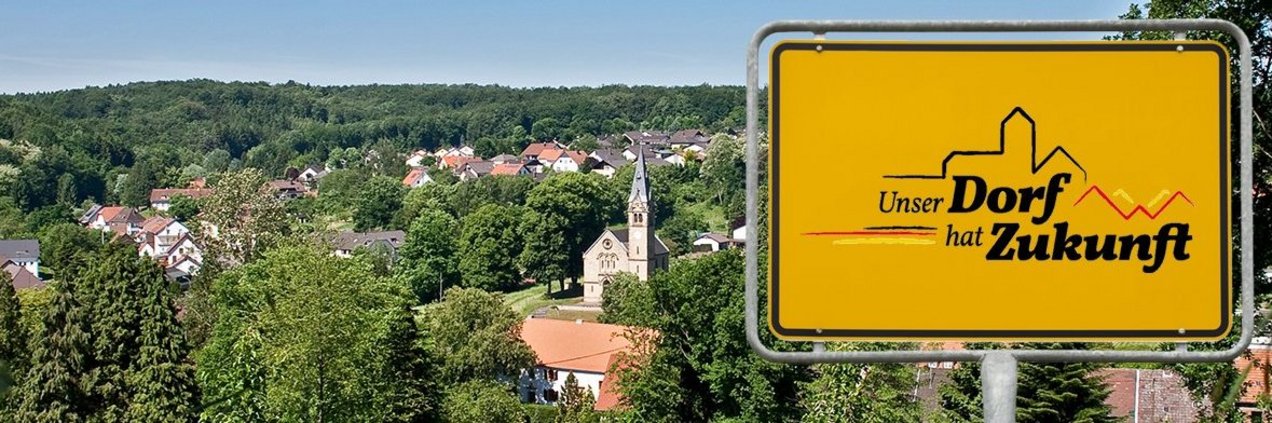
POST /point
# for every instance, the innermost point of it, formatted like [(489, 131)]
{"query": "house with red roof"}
[(510, 169), (117, 219), (534, 150), (417, 177), (563, 160), (589, 351)]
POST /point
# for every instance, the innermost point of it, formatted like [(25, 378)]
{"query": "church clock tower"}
[(640, 222)]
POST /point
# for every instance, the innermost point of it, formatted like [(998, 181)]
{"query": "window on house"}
[(550, 395), (552, 375)]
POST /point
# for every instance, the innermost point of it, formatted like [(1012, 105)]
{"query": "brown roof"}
[(1162, 395), (286, 185), (164, 194), (574, 345), (22, 278), (507, 169), (155, 224), (535, 149), (579, 156), (456, 162)]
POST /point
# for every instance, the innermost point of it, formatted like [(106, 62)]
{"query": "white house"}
[(22, 252), (122, 220), (589, 351), (417, 158), (158, 235), (739, 233), (563, 160), (715, 242), (417, 177), (161, 199)]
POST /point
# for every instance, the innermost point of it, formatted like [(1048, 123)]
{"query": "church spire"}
[(640, 181)]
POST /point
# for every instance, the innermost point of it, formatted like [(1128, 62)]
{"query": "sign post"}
[(1044, 183)]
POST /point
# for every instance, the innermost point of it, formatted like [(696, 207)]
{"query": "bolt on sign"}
[(999, 191)]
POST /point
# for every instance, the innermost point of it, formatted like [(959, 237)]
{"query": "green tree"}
[(379, 200), (576, 404), (629, 301), (699, 367), (488, 248), (183, 208), (545, 254), (476, 337), (13, 336), (136, 189), (505, 190), (64, 246), (724, 169), (51, 392), (1046, 392), (112, 289), (161, 380), (245, 217), (67, 192), (288, 345), (482, 401), (576, 205), (862, 392), (427, 257), (216, 161), (546, 129), (418, 200)]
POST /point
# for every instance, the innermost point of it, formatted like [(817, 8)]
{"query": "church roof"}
[(621, 234), (640, 181)]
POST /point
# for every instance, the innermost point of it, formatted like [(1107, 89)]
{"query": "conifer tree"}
[(50, 391), (577, 403), (407, 372), (161, 380), (13, 337), (114, 287), (1046, 392)]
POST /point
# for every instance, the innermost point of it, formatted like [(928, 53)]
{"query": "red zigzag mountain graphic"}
[(1126, 215)]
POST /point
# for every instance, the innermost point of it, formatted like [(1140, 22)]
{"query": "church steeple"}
[(640, 218)]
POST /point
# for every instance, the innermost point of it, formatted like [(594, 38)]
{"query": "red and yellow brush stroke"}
[(1138, 208), (878, 237)]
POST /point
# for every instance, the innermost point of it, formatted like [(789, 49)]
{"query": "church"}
[(634, 249)]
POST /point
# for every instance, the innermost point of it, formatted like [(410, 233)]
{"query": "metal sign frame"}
[(999, 358), (998, 371)]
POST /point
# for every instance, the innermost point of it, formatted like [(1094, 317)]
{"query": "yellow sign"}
[(1004, 191)]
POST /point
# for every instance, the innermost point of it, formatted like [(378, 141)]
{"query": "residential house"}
[(605, 162), (170, 243), (646, 138), (461, 151), (475, 169), (287, 189), (715, 242), (455, 162), (688, 139), (345, 243), (22, 252), (417, 177), (563, 160), (161, 199), (117, 219), (1259, 380), (416, 159), (590, 351), (22, 278), (312, 174), (738, 229), (533, 150), (510, 169)]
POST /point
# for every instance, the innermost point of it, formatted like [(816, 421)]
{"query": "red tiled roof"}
[(155, 224), (456, 162), (413, 176), (167, 193), (583, 346), (610, 398), (551, 154), (535, 149), (507, 169), (108, 213)]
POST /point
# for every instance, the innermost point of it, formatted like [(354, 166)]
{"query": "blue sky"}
[(53, 45)]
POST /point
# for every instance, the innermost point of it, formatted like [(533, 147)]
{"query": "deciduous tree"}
[(476, 337), (488, 247)]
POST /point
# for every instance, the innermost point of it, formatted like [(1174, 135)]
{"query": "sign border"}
[(793, 354), (1006, 47)]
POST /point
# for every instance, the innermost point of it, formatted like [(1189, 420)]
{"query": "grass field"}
[(528, 300)]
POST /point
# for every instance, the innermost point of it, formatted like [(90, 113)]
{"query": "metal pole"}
[(998, 387)]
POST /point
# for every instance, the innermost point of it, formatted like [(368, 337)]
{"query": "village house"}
[(461, 151), (475, 169), (605, 162), (416, 159), (455, 162), (116, 219), (417, 177), (646, 138), (22, 252), (170, 243), (563, 160), (534, 150), (22, 278), (712, 242), (589, 351), (312, 174), (345, 243), (287, 189), (504, 158), (161, 199), (634, 249), (689, 140), (510, 169)]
